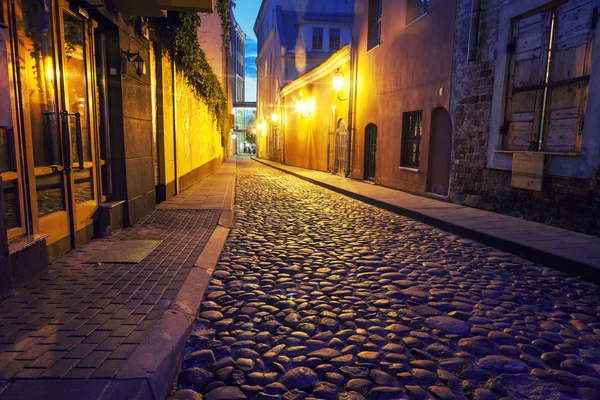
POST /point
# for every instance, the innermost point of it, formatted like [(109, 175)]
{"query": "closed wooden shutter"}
[(569, 76), (526, 79), (548, 78)]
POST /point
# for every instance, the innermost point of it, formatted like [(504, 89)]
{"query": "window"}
[(549, 73), (317, 38), (415, 9), (412, 127), (334, 39), (374, 24)]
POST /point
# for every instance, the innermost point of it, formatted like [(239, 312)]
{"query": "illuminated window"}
[(317, 38), (415, 9), (374, 24), (412, 127), (334, 39)]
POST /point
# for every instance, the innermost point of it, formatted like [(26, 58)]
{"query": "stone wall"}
[(566, 202)]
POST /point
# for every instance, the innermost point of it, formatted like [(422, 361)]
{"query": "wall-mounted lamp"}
[(305, 108), (275, 118), (140, 64), (338, 84)]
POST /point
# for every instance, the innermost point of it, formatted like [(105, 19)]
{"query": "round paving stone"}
[(299, 378)]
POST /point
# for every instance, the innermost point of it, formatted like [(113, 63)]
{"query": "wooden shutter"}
[(569, 75), (526, 78)]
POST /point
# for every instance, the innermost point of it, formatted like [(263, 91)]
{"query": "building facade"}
[(98, 123), (236, 60), (294, 36), (525, 87), (402, 130)]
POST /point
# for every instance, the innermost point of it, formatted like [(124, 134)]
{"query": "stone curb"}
[(158, 358), (561, 263)]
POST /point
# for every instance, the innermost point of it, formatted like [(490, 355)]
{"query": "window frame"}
[(574, 165), (374, 24), (411, 10), (320, 38), (338, 37), (411, 158)]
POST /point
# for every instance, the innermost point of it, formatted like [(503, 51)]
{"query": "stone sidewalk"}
[(571, 252), (117, 331)]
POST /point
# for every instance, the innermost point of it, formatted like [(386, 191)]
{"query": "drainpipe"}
[(349, 152), (474, 31), (176, 181)]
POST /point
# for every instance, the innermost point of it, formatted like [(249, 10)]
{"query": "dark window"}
[(412, 127), (317, 39), (415, 8), (374, 24), (334, 39)]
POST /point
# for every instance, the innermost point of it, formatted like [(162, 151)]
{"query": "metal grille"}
[(370, 151), (125, 252), (341, 147), (411, 139)]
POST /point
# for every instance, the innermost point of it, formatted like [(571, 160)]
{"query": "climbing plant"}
[(195, 66)]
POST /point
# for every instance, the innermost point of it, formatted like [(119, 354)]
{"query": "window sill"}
[(549, 153), (374, 47), (409, 169), (420, 17)]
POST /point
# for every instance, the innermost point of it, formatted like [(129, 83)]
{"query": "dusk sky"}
[(245, 12)]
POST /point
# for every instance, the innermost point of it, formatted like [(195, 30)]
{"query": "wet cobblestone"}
[(318, 296)]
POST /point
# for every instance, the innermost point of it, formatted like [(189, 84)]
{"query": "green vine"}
[(223, 9), (196, 68)]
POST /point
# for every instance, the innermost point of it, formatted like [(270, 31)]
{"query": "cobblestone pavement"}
[(83, 321), (320, 296)]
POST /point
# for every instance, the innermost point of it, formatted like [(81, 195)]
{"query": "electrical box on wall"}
[(528, 171)]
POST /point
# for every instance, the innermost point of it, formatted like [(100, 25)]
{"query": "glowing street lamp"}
[(338, 84), (275, 118)]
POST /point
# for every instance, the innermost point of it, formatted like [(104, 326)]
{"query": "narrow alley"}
[(320, 296)]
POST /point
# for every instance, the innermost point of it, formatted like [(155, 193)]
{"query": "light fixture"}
[(305, 108), (140, 64), (338, 84), (275, 118)]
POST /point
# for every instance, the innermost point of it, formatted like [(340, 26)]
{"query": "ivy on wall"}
[(195, 66)]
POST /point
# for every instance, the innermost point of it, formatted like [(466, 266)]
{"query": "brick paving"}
[(85, 320)]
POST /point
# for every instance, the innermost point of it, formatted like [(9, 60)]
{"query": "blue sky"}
[(245, 12)]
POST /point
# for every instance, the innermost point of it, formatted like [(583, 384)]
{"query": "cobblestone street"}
[(320, 296)]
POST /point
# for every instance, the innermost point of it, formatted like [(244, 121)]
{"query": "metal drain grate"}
[(125, 252)]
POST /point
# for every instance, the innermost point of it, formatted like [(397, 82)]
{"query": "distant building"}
[(294, 36), (236, 58)]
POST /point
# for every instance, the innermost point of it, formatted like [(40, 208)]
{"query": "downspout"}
[(474, 30), (174, 77), (349, 151)]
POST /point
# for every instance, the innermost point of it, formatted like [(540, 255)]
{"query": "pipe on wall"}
[(474, 30), (350, 105)]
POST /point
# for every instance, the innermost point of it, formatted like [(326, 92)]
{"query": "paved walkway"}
[(320, 296), (571, 252), (90, 331)]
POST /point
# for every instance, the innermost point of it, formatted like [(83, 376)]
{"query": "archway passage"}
[(370, 152), (438, 180)]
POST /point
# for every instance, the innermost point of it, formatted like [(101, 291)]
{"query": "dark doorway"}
[(441, 149), (370, 151)]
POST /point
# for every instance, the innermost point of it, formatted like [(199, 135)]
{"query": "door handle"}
[(64, 115), (78, 137)]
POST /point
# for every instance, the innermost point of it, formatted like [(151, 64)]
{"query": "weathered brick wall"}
[(565, 202)]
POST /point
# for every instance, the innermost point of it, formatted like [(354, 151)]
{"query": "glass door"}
[(77, 128)]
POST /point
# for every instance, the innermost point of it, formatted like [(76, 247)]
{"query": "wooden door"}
[(441, 151)]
